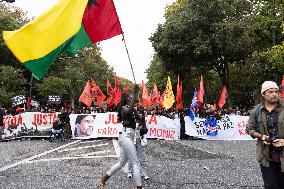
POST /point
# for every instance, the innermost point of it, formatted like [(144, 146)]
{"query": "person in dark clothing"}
[(57, 127)]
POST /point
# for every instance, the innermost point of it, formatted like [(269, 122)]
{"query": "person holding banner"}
[(126, 140), (266, 123)]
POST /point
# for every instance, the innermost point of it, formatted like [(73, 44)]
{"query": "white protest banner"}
[(86, 126), (230, 127), (43, 121)]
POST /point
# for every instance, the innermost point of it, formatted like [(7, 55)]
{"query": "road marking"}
[(94, 153), (35, 156), (70, 158), (84, 147)]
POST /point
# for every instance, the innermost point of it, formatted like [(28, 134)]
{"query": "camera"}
[(270, 139)]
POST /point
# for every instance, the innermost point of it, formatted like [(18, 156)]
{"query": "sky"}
[(138, 18)]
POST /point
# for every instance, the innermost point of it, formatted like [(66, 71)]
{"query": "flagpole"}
[(129, 58)]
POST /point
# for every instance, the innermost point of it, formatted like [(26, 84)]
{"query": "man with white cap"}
[(266, 123)]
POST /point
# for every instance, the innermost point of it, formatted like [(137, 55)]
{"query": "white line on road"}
[(70, 158), (36, 156), (94, 153), (84, 147)]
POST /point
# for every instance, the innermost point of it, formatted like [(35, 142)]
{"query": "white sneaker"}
[(146, 178), (129, 175)]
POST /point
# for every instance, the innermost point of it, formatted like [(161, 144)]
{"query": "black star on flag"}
[(90, 2)]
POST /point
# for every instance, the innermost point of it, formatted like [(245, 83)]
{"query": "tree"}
[(205, 34), (12, 83), (53, 86), (170, 9)]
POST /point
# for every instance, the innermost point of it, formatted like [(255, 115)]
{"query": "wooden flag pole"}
[(129, 58)]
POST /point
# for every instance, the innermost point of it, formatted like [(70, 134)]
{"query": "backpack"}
[(256, 115)]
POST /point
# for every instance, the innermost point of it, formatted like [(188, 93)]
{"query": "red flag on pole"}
[(87, 97), (281, 91), (282, 83), (98, 94), (126, 88), (200, 93), (29, 101), (71, 103), (161, 98), (223, 97), (145, 97), (155, 94), (117, 91), (215, 105), (110, 92), (100, 20), (179, 95)]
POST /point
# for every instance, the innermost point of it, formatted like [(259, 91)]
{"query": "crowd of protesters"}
[(170, 113)]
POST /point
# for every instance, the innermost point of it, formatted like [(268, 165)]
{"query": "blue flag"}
[(194, 103)]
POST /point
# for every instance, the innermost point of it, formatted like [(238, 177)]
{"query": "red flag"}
[(94, 88), (161, 98), (146, 101), (281, 91), (100, 20), (87, 97), (64, 104), (98, 93), (100, 96), (110, 92), (126, 89), (223, 97), (109, 88), (215, 105), (155, 94), (71, 103), (29, 101), (200, 93), (179, 95), (117, 91)]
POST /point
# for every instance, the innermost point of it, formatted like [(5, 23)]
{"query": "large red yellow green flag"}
[(66, 27)]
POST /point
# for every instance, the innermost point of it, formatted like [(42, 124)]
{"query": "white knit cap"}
[(268, 85)]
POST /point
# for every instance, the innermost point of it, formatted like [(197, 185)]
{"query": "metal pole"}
[(31, 86), (129, 58)]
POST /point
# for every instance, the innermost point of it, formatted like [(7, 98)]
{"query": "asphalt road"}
[(186, 164)]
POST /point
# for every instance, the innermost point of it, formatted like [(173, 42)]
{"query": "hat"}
[(268, 85)]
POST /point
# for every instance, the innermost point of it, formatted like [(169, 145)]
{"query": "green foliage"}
[(170, 9), (204, 34), (53, 86), (12, 83), (9, 20), (275, 56)]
